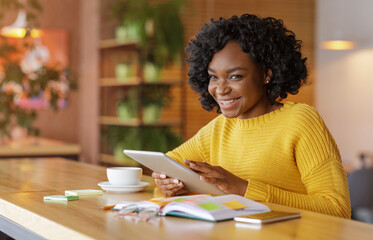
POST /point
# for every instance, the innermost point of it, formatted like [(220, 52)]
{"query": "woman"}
[(261, 146)]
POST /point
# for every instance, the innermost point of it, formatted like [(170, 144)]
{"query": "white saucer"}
[(123, 189)]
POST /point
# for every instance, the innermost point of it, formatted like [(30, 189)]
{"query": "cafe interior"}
[(81, 80)]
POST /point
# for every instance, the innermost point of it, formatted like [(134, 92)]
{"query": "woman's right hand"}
[(169, 186)]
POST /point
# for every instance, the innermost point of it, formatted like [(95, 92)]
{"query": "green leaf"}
[(167, 42)]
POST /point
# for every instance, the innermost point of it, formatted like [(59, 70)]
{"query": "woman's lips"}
[(228, 103)]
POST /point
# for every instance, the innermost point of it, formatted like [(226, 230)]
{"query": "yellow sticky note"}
[(234, 204)]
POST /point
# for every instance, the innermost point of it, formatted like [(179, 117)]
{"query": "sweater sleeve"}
[(319, 163), (330, 198), (194, 149)]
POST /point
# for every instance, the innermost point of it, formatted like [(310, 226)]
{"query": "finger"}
[(197, 166), (213, 180), (159, 182), (205, 169), (220, 183), (187, 162), (169, 193), (181, 191), (158, 175), (171, 186), (156, 182), (172, 191), (168, 183)]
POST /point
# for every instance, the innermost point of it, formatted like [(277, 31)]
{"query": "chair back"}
[(360, 184)]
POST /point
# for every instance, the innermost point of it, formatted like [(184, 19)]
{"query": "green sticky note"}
[(209, 206), (179, 200), (61, 198)]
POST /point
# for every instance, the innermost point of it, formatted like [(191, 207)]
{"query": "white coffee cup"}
[(124, 176)]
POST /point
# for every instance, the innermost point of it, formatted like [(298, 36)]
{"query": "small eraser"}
[(61, 198), (83, 192)]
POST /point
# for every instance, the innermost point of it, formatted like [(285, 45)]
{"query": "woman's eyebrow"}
[(229, 70), (235, 69), (211, 70)]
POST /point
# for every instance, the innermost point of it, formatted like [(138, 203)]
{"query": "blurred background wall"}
[(343, 86)]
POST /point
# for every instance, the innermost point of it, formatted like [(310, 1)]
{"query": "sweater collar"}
[(262, 119)]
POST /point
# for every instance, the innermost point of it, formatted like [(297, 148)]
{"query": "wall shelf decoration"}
[(131, 127)]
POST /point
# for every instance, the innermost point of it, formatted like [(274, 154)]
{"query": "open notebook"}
[(202, 207)]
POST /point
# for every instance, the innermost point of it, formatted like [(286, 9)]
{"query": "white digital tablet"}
[(160, 162)]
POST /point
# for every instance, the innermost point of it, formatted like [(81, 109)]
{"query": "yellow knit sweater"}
[(288, 157)]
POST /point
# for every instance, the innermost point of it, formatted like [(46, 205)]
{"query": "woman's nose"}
[(222, 88)]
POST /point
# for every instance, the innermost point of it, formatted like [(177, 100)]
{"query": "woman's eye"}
[(212, 77), (236, 76)]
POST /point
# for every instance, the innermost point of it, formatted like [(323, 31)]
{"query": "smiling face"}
[(237, 83)]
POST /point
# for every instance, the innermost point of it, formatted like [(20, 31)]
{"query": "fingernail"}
[(162, 176), (175, 181), (192, 165), (180, 183)]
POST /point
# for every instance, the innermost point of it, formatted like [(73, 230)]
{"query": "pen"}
[(109, 207)]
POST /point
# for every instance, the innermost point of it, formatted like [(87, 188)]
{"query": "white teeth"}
[(227, 102)]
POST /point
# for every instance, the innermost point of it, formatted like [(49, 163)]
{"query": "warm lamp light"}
[(19, 28), (338, 45)]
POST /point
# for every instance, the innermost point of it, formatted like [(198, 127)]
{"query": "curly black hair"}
[(270, 44)]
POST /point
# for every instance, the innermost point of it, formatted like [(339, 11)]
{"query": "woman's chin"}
[(229, 114)]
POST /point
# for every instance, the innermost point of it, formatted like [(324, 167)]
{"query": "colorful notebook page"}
[(179, 200), (234, 204), (209, 206), (164, 201), (159, 202)]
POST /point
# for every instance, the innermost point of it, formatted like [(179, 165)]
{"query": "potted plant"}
[(161, 139), (153, 97), (24, 89), (128, 105), (124, 70), (157, 27), (27, 82), (132, 15)]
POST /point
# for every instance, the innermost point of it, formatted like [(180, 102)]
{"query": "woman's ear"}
[(268, 76)]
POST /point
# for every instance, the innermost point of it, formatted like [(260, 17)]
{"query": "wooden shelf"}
[(113, 43), (166, 82), (113, 82), (133, 81), (115, 121), (35, 146), (113, 90), (107, 120)]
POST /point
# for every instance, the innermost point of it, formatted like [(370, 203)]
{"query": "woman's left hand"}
[(223, 179)]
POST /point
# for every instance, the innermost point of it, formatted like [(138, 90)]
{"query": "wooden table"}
[(36, 147), (23, 183)]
